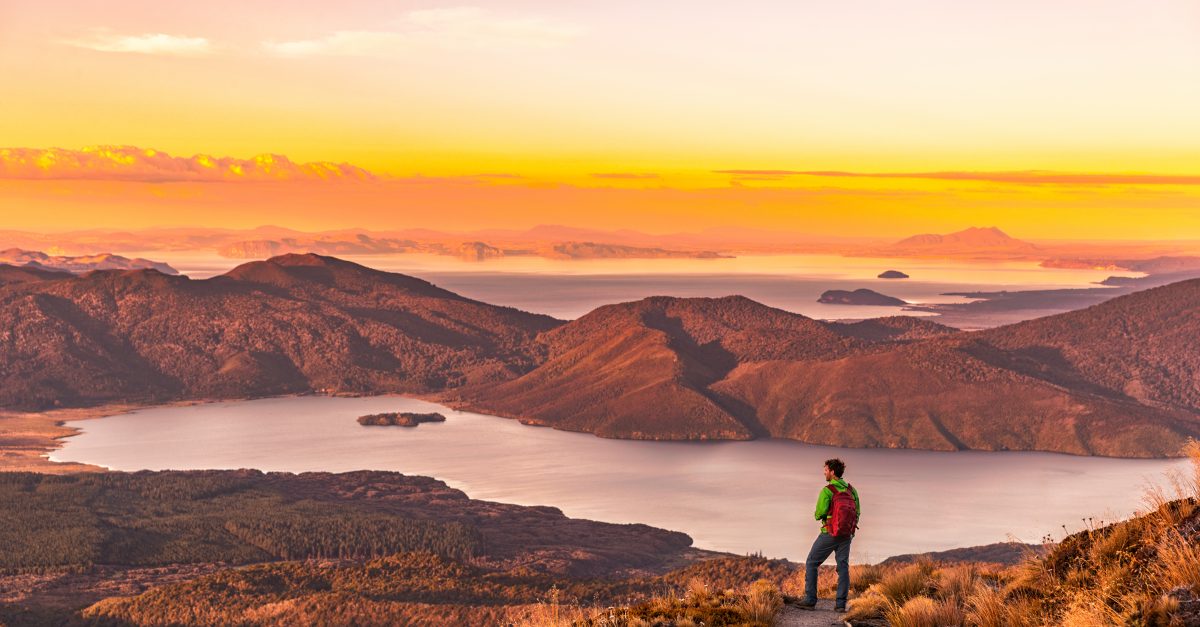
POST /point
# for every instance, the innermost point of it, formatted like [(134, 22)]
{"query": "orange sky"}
[(1070, 119)]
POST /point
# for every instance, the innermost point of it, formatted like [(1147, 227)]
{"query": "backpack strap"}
[(833, 489)]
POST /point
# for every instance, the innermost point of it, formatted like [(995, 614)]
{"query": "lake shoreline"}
[(605, 479), (28, 440)]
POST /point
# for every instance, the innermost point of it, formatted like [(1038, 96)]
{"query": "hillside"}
[(294, 323), (73, 540), (703, 368), (1121, 378), (1142, 346), (646, 369)]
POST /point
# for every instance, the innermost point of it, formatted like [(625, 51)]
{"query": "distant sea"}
[(568, 289)]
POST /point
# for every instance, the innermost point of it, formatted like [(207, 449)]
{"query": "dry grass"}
[(696, 604), (865, 576), (958, 583), (1178, 564), (550, 613), (1192, 451), (1089, 610), (908, 582), (987, 607), (697, 592), (870, 605), (925, 612), (761, 602)]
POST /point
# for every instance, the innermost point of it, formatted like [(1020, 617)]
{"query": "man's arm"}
[(824, 497)]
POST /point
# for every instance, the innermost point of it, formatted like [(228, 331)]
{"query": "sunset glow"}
[(1056, 121)]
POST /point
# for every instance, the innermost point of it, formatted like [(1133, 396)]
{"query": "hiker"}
[(837, 510)]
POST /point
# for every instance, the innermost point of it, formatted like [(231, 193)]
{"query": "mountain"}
[(79, 264), (1142, 346), (295, 323), (24, 274), (646, 369), (980, 242), (1117, 379)]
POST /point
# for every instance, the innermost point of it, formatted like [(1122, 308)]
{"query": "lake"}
[(740, 497)]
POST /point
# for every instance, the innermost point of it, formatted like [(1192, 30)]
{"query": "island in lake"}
[(399, 419), (860, 297), (892, 274)]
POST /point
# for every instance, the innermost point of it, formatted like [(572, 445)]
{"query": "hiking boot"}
[(840, 609), (804, 604)]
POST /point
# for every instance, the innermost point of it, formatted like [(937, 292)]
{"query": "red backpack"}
[(843, 512)]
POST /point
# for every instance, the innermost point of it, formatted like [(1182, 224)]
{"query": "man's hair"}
[(836, 465)]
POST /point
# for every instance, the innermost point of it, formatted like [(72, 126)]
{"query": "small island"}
[(398, 419), (859, 297), (892, 274)]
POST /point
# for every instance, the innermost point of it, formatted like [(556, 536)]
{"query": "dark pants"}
[(821, 548)]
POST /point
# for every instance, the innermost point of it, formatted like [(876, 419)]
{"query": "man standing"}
[(838, 510)]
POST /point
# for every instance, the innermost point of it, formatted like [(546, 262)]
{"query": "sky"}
[(1068, 119)]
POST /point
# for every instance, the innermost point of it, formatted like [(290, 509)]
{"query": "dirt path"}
[(822, 616)]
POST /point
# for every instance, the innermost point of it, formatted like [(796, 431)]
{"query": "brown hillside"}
[(1144, 346), (291, 324), (646, 369), (699, 367), (25, 274), (937, 395)]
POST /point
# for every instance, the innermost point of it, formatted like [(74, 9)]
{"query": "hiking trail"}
[(822, 616)]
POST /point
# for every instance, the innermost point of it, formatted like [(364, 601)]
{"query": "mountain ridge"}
[(1005, 389), (1119, 378)]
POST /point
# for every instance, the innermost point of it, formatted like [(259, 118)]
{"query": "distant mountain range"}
[(974, 242), (79, 264), (1121, 378), (568, 242)]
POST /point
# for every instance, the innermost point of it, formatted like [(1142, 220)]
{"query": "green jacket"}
[(825, 499)]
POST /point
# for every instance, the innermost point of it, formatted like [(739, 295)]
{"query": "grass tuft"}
[(925, 612)]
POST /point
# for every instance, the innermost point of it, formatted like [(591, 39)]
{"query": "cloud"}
[(130, 163), (149, 43), (1020, 177), (630, 176), (759, 172), (455, 27)]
